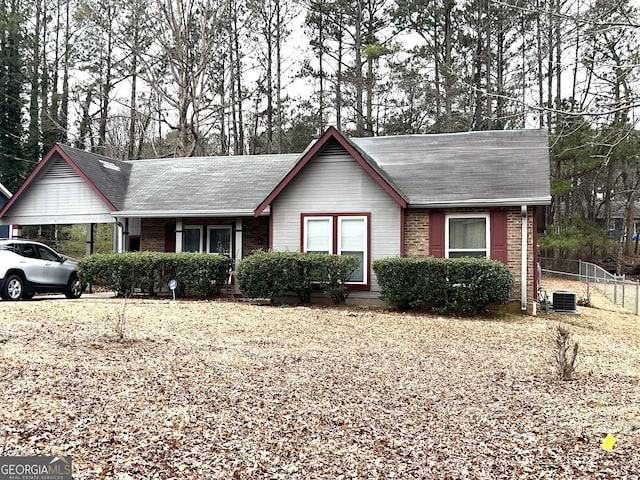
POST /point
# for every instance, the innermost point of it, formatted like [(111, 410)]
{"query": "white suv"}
[(27, 268)]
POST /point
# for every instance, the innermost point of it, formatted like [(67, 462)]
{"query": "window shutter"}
[(499, 235), (436, 234)]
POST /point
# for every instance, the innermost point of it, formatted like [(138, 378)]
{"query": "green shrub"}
[(443, 285), (332, 273), (121, 273), (196, 273), (260, 275), (274, 273), (403, 281)]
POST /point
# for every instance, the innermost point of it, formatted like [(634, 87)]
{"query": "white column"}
[(178, 235), (238, 252), (117, 236)]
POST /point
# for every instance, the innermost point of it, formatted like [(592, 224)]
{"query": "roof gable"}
[(107, 178), (332, 135)]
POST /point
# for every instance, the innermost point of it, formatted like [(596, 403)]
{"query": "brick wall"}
[(514, 241), (255, 233), (416, 232), (152, 234), (416, 241)]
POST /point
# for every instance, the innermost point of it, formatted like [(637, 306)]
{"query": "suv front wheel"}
[(74, 288), (13, 288)]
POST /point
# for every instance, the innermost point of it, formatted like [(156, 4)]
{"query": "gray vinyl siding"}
[(335, 183), (59, 196)]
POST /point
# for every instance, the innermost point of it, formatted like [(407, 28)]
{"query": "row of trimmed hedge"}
[(453, 286), (274, 273), (149, 272), (443, 285)]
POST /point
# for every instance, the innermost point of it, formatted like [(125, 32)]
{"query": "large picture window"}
[(341, 235), (192, 238), (219, 240), (467, 236)]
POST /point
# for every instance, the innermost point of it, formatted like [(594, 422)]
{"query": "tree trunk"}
[(357, 70)]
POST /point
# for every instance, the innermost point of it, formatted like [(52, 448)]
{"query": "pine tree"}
[(11, 75)]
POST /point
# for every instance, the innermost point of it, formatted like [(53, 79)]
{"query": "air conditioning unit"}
[(564, 302)]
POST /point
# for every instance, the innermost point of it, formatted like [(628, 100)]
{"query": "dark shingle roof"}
[(471, 168), (505, 166), (203, 185), (109, 176)]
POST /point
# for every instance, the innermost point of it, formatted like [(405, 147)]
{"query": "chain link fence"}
[(617, 288)]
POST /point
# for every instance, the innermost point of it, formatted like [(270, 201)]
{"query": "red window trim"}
[(335, 216), (498, 241)]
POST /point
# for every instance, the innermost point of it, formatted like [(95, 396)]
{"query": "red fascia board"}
[(36, 171), (330, 133)]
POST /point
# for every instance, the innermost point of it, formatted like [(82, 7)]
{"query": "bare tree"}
[(187, 34)]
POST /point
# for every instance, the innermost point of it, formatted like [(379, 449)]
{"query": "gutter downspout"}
[(523, 267)]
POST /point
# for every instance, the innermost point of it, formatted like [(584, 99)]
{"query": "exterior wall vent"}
[(564, 302), (61, 169)]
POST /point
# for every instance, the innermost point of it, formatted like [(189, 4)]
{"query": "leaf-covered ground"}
[(228, 390)]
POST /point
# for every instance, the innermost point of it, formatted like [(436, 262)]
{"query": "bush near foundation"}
[(197, 274), (332, 273), (443, 285), (274, 273)]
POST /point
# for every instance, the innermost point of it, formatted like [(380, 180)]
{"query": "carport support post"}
[(89, 241)]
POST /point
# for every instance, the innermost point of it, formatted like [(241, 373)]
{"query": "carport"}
[(66, 188)]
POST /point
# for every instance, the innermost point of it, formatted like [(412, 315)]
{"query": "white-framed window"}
[(352, 240), (342, 235), (192, 238), (467, 235), (219, 239), (318, 236)]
